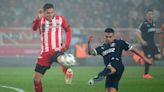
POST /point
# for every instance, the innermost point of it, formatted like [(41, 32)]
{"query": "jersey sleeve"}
[(98, 50), (68, 31), (65, 25), (36, 24), (125, 45)]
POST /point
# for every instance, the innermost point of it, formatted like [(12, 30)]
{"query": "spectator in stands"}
[(82, 13), (81, 52)]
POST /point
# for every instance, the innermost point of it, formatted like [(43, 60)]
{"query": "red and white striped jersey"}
[(51, 33)]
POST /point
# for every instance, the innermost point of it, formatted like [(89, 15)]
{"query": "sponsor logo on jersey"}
[(151, 30), (108, 51)]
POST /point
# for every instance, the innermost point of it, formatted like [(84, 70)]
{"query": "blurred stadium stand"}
[(83, 13), (22, 45)]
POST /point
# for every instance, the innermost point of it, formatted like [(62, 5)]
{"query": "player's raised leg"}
[(68, 74), (107, 71), (66, 61)]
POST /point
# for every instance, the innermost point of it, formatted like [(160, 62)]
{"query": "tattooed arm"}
[(90, 50)]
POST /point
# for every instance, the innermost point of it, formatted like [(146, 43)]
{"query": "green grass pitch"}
[(53, 81)]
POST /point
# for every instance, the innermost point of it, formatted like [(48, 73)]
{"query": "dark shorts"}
[(45, 62), (112, 81), (151, 50), (41, 69)]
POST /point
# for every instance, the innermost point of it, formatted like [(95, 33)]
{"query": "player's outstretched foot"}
[(95, 79), (147, 76), (68, 77), (91, 82)]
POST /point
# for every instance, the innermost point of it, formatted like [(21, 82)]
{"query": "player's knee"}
[(112, 69), (110, 90), (59, 59), (56, 57), (37, 78), (107, 90)]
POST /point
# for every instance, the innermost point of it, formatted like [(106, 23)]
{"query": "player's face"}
[(49, 13), (109, 37), (149, 15)]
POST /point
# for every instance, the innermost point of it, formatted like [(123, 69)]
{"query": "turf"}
[(132, 81)]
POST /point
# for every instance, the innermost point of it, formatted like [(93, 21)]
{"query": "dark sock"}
[(146, 68), (102, 74)]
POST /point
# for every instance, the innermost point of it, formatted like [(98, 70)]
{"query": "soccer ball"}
[(68, 60), (91, 82)]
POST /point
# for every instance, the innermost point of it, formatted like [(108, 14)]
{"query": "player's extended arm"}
[(36, 22), (138, 34), (68, 31), (90, 50), (68, 37), (136, 51)]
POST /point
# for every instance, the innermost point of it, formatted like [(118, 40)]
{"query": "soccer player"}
[(145, 34), (111, 52), (50, 26)]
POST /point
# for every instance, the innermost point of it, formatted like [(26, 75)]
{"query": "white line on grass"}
[(16, 89)]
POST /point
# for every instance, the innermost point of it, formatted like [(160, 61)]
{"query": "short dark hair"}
[(109, 30), (47, 6), (149, 10)]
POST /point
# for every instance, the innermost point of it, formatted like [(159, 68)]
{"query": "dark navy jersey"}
[(112, 52), (147, 30)]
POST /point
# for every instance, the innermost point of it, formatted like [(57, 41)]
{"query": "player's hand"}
[(144, 43), (149, 61), (90, 39), (40, 14)]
